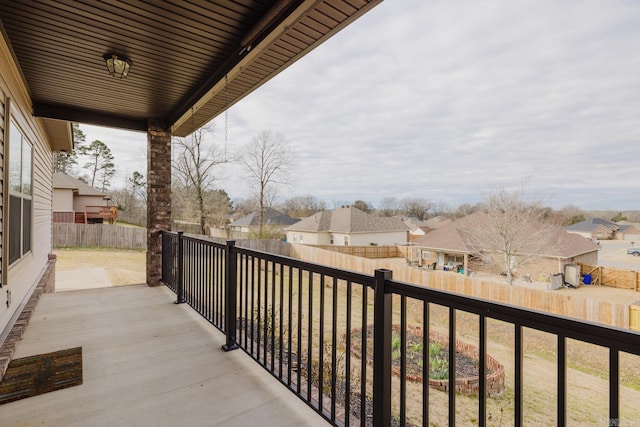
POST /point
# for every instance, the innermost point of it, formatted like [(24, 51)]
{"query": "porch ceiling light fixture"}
[(118, 66)]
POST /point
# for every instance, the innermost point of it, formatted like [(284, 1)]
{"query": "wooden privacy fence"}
[(99, 235), (614, 277), (570, 305), (370, 252)]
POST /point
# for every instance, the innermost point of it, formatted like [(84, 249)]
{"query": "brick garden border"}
[(467, 385)]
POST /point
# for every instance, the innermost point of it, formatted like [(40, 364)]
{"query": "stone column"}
[(158, 196)]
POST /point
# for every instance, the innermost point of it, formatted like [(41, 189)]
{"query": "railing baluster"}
[(310, 338), (482, 371), (403, 360), (180, 278), (614, 386), (290, 328), (518, 383), (230, 296), (221, 261), (216, 283), (280, 341), (347, 363), (452, 366), (258, 310), (321, 344), (562, 381), (299, 337), (252, 307), (334, 344), (241, 297), (273, 315), (266, 325), (363, 359), (247, 324), (382, 351), (425, 363)]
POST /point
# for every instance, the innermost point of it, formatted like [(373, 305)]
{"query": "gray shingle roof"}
[(271, 217), (591, 224), (348, 220), (451, 238), (61, 180)]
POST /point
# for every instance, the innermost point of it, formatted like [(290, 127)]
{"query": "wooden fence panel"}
[(371, 252), (614, 277), (570, 305), (99, 235)]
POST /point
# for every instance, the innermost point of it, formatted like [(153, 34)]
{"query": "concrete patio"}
[(147, 362)]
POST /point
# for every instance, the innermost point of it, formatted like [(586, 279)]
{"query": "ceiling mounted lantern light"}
[(118, 66)]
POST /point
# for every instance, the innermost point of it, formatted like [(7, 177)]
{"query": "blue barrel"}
[(586, 279)]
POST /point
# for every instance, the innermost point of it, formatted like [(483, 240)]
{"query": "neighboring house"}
[(27, 144), (594, 228), (448, 246), (348, 226), (628, 231), (421, 228), (273, 221), (416, 227), (75, 201)]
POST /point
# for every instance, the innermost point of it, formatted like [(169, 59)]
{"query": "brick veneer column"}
[(158, 196)]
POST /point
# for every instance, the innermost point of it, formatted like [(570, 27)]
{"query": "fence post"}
[(382, 350), (180, 278), (230, 295)]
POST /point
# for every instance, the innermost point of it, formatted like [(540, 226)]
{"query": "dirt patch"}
[(124, 267)]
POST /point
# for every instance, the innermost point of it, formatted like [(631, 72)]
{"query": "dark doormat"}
[(33, 375)]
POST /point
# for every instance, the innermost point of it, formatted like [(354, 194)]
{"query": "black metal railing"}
[(358, 348)]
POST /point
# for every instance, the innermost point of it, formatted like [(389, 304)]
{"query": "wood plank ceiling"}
[(191, 59)]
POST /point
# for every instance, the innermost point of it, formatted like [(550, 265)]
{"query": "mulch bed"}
[(34, 375)]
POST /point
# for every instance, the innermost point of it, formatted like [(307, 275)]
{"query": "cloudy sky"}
[(447, 100)]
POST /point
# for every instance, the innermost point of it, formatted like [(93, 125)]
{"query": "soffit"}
[(191, 59)]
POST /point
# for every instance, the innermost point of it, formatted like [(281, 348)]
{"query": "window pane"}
[(26, 224), (14, 228), (26, 168), (15, 152)]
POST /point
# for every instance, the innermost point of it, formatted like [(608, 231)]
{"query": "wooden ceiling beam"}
[(58, 112)]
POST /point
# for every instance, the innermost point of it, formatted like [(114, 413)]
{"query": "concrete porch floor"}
[(147, 362)]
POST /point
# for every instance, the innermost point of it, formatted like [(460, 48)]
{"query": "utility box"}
[(557, 280), (572, 275)]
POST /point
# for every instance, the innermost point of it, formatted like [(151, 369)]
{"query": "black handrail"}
[(308, 325)]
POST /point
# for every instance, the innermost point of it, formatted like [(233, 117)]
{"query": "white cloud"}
[(440, 99)]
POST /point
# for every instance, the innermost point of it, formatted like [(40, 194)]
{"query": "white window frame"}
[(20, 185)]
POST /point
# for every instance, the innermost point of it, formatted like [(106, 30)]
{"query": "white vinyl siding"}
[(23, 274)]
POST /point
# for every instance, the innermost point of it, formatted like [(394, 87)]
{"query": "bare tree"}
[(511, 230), (267, 159), (416, 208), (388, 206), (194, 167), (303, 206), (362, 205)]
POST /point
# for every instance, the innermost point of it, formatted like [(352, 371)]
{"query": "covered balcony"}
[(313, 344), (301, 356)]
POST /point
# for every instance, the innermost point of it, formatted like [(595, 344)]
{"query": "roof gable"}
[(64, 181), (592, 224), (451, 237), (271, 217), (348, 220)]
